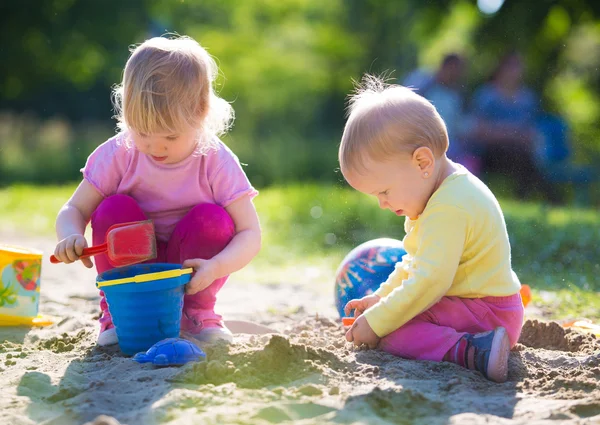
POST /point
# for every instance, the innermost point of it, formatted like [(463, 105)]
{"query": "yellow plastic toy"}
[(583, 325), (20, 271)]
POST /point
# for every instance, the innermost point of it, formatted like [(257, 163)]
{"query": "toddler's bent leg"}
[(490, 325), (421, 339), (115, 209), (462, 331), (202, 233)]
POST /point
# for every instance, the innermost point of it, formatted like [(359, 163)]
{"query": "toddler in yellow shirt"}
[(454, 297)]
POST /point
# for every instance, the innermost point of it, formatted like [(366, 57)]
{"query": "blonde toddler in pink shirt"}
[(168, 164)]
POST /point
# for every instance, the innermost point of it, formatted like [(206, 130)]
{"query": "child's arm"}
[(441, 242), (72, 220), (395, 278), (239, 252)]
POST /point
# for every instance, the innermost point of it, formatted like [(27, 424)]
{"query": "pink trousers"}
[(202, 233), (432, 333)]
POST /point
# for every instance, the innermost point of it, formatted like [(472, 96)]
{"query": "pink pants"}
[(432, 333), (202, 233)]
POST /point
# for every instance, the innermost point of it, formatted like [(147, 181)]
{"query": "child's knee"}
[(116, 209), (117, 204), (212, 222)]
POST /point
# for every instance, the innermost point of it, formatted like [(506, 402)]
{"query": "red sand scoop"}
[(126, 244)]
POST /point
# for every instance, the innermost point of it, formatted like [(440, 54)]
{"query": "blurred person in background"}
[(503, 132), (444, 89)]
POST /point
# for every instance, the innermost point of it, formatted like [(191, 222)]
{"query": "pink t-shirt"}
[(166, 192)]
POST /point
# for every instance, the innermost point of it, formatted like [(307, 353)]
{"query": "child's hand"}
[(359, 306), (206, 272), (362, 333), (70, 249)]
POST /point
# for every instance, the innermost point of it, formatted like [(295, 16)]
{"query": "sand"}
[(305, 374)]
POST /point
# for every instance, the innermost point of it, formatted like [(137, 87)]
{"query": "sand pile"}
[(305, 375)]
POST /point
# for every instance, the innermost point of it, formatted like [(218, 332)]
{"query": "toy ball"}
[(365, 268), (171, 352)]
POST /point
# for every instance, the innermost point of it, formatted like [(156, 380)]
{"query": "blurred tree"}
[(288, 65), (62, 56)]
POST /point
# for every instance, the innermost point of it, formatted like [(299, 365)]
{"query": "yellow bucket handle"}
[(147, 277)]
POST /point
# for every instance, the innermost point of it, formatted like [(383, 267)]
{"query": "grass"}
[(568, 303), (32, 209), (307, 230)]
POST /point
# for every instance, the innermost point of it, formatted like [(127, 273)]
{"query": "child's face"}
[(166, 148), (400, 184)]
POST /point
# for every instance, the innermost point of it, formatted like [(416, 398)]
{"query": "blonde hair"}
[(385, 120), (168, 87)]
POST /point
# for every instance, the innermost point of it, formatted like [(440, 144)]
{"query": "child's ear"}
[(424, 158)]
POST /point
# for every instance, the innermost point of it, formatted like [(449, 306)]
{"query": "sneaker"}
[(215, 334), (108, 333), (107, 337), (205, 326), (488, 352)]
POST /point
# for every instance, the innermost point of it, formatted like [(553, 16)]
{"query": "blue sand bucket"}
[(145, 301)]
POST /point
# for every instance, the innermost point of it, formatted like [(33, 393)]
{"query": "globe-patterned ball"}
[(365, 268)]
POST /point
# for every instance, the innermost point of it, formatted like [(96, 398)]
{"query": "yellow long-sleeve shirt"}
[(458, 247)]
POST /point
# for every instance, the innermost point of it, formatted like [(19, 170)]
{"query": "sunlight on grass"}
[(308, 229), (31, 209), (569, 303), (294, 269)]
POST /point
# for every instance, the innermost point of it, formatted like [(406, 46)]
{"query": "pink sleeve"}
[(228, 180), (105, 166)]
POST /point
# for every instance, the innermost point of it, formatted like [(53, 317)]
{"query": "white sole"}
[(108, 337), (498, 361), (208, 337)]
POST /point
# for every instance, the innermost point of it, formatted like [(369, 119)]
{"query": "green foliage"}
[(555, 248), (287, 68), (31, 210), (572, 302), (317, 218), (65, 45), (50, 151)]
